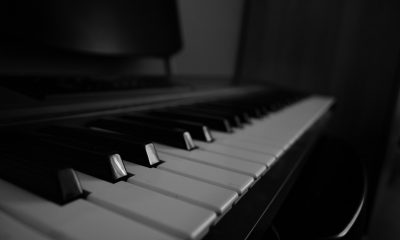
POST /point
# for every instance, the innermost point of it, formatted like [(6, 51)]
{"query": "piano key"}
[(161, 212), (255, 110), (276, 132), (253, 146), (217, 176), (269, 102), (244, 117), (197, 131), (269, 141), (290, 123), (216, 147), (216, 123), (261, 146), (280, 129), (256, 143), (174, 137), (143, 152), (11, 229), (248, 111), (196, 192), (58, 184), (233, 119), (254, 170), (279, 132), (199, 168), (102, 164), (76, 220)]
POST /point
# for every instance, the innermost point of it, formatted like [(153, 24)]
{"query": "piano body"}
[(145, 158)]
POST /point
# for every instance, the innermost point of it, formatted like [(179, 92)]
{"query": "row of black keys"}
[(42, 160)]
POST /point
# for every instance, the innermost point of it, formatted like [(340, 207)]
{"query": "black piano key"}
[(253, 110), (140, 152), (266, 104), (53, 182), (241, 113), (233, 119), (197, 131), (215, 123), (86, 158), (274, 100), (170, 136)]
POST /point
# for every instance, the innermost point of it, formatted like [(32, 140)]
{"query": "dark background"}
[(345, 48)]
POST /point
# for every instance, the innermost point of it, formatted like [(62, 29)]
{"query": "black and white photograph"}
[(200, 119)]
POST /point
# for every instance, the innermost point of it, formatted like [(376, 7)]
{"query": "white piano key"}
[(230, 163), (76, 220), (277, 132), (261, 142), (325, 105), (11, 229), (300, 109), (217, 176), (266, 159), (281, 129), (200, 193), (237, 136), (273, 133), (292, 121), (254, 146), (161, 212)]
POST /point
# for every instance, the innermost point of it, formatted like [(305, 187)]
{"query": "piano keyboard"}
[(170, 173)]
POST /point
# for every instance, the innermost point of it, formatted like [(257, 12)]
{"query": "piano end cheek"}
[(117, 167), (70, 186)]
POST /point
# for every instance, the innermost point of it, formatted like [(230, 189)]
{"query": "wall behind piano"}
[(346, 48), (210, 35), (210, 31)]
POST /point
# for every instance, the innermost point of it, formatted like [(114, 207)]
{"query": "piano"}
[(84, 158)]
